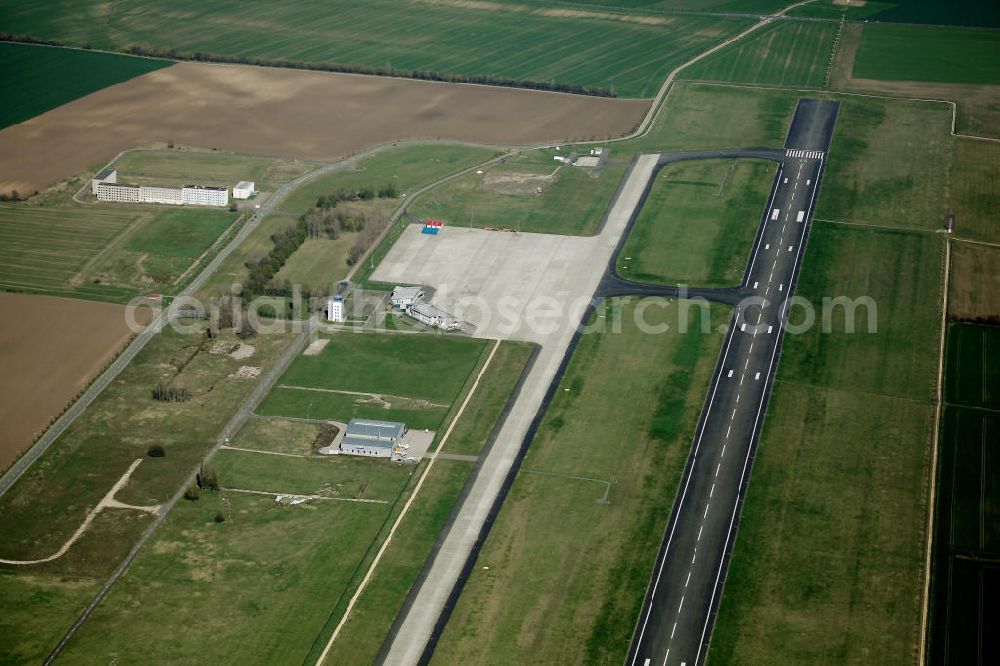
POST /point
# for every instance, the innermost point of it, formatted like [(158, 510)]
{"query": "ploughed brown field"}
[(50, 349), (289, 113)]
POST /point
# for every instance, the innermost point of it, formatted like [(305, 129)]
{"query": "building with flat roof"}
[(335, 308), (364, 437), (106, 175), (109, 189), (431, 315), (404, 297), (205, 195), (244, 189), (119, 192)]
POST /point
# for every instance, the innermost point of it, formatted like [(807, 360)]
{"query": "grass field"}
[(41, 511), (967, 544), (326, 546), (39, 78), (104, 252), (572, 200), (912, 53), (418, 376), (973, 363), (786, 53), (932, 12), (698, 224), (975, 281), (828, 565), (740, 118), (497, 40), (561, 577), (220, 169), (43, 249)]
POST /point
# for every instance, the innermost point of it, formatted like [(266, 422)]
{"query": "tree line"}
[(385, 70), (332, 215)]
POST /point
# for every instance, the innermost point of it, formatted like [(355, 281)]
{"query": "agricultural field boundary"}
[(842, 93), (935, 445)]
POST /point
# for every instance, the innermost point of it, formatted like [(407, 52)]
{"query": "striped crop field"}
[(629, 54), (42, 249), (790, 53)]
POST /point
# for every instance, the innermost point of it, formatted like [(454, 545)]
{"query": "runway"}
[(676, 620)]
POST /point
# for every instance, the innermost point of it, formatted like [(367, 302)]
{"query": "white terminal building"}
[(105, 187)]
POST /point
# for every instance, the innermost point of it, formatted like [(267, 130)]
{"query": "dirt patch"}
[(506, 182), (50, 349), (975, 281), (247, 372), (315, 347), (282, 113), (242, 351), (850, 3), (223, 347)]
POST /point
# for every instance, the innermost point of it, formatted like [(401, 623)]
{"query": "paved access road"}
[(678, 614)]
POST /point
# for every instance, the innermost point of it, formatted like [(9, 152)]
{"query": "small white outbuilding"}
[(243, 189)]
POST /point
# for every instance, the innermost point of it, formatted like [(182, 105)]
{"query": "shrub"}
[(156, 451), (219, 518), (191, 493)]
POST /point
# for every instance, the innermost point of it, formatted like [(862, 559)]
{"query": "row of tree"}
[(367, 193), (386, 70), (329, 218)]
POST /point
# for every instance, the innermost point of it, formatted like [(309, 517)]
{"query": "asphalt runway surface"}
[(678, 614)]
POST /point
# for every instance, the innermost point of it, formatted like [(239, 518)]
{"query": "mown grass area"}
[(61, 597), (432, 367), (967, 542), (219, 169), (703, 116), (571, 201), (160, 251), (975, 194), (502, 40), (40, 78), (360, 639), (418, 378), (407, 167), (973, 361), (931, 53), (786, 53), (561, 577), (254, 588), (698, 223), (828, 564), (892, 349), (319, 262), (241, 590), (324, 405)]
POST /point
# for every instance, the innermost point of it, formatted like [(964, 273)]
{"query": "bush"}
[(191, 493), (156, 451), (219, 518), (207, 478)]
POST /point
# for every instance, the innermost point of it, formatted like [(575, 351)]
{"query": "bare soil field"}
[(289, 113), (50, 348)]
